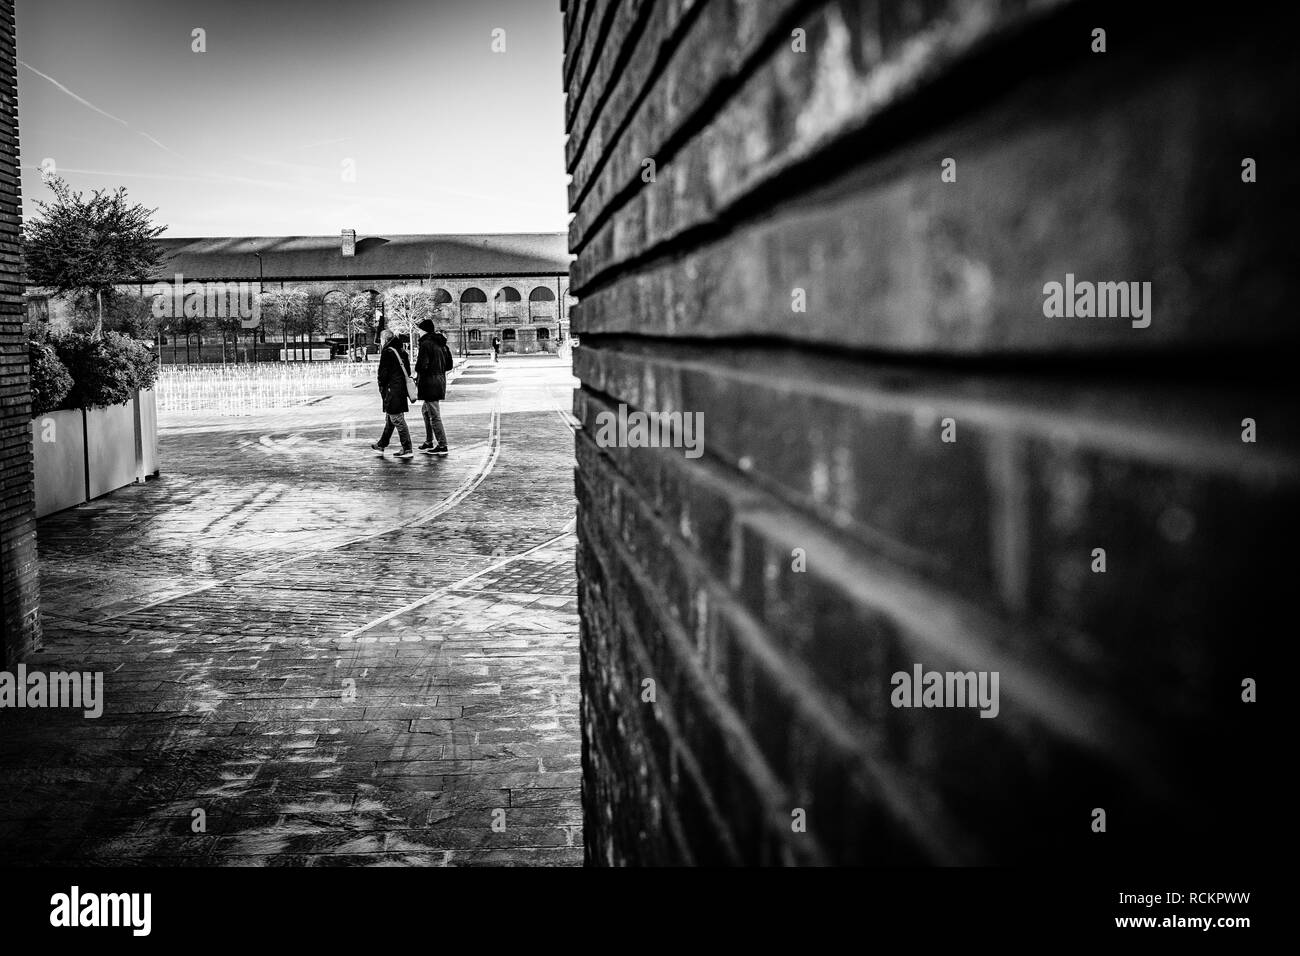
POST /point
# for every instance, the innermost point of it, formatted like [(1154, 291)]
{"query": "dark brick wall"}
[(778, 170), (18, 579)]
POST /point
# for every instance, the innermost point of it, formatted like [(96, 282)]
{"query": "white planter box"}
[(146, 435), (59, 453), (82, 454), (110, 448)]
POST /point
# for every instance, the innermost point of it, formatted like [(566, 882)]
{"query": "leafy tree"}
[(131, 314), (82, 313), (79, 246)]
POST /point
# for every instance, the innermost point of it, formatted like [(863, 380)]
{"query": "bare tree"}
[(284, 311), (406, 306), (313, 320), (349, 315), (191, 326)]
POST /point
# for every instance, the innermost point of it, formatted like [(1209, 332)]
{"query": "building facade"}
[(511, 287)]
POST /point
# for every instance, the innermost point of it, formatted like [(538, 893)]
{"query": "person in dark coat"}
[(432, 364), (394, 366), (385, 339), (496, 348)]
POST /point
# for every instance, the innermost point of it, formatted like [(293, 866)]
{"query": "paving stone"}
[(304, 641)]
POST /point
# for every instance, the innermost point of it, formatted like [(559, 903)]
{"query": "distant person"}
[(432, 364), (394, 367), (496, 349)]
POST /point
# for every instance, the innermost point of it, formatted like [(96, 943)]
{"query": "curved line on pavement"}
[(569, 527), (465, 488)]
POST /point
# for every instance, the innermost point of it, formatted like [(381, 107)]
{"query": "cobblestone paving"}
[(340, 659)]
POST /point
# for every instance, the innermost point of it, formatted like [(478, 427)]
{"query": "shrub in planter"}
[(50, 379), (107, 370), (142, 359)]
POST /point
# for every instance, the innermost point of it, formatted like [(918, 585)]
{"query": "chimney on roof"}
[(349, 242)]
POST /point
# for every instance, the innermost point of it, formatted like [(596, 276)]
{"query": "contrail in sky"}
[(89, 105)]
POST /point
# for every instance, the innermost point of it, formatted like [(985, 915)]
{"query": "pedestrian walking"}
[(496, 349), (432, 363), (394, 370)]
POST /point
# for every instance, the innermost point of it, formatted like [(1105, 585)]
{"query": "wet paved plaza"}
[(339, 659)]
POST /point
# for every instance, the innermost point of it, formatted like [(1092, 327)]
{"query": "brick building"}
[(828, 227), (18, 574), (511, 286)]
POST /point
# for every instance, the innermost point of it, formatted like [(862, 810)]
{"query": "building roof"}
[(321, 257)]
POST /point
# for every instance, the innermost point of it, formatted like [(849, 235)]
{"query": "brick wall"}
[(800, 270), (18, 579)]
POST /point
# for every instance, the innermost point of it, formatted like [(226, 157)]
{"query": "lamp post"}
[(259, 300)]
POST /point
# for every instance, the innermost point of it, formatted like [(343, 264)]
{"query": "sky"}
[(302, 117)]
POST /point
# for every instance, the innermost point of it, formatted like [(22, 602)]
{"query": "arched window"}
[(541, 303), (507, 335), (543, 333), (333, 301), (476, 336), (506, 305), (444, 306), (474, 306)]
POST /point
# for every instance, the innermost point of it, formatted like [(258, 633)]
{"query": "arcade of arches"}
[(528, 314)]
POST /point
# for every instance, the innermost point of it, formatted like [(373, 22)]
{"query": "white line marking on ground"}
[(462, 491), (568, 530)]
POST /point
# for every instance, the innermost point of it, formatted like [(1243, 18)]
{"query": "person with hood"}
[(394, 367), (431, 367)]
